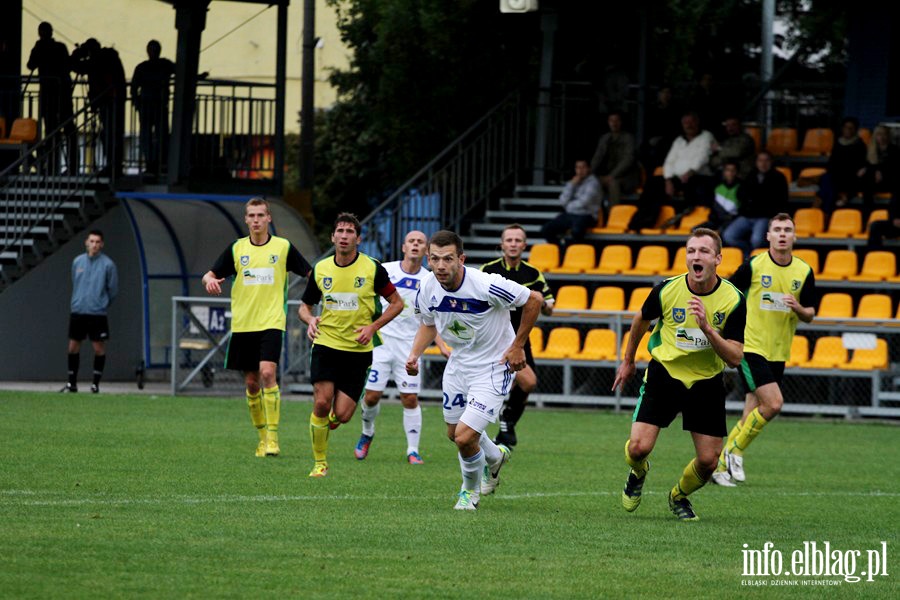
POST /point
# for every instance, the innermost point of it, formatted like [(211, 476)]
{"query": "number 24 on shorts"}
[(458, 400)]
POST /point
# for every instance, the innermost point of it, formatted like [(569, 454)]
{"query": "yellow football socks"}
[(690, 482), (254, 402), (272, 404), (318, 432), (640, 468), (753, 425), (722, 467)]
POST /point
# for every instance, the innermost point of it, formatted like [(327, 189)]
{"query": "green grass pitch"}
[(138, 496)]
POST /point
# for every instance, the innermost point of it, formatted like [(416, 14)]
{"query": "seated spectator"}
[(615, 161), (725, 197), (686, 170), (735, 146), (841, 180), (879, 230), (761, 196), (882, 162), (582, 199), (661, 126)]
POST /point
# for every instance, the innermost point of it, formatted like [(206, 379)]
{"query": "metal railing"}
[(464, 175)]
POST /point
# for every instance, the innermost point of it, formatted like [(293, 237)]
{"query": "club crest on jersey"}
[(327, 282), (273, 258), (795, 285), (766, 281), (678, 315), (359, 282), (245, 260), (718, 319), (452, 302)]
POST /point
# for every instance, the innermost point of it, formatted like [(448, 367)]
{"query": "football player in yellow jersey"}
[(780, 290), (259, 264), (699, 329), (348, 284)]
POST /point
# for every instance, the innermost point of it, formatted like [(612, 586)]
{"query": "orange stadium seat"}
[(563, 342), (810, 257), (754, 131), (874, 306), (614, 259), (878, 265), (571, 297), (619, 217), (781, 141), (835, 305), (816, 142), (638, 295), (679, 263), (578, 259), (643, 353), (868, 359), (758, 251), (544, 256), (731, 260), (650, 261), (876, 215), (665, 213), (787, 174), (536, 337), (608, 297), (807, 182), (809, 222), (699, 215), (799, 351), (839, 264), (865, 134), (829, 353), (845, 222), (599, 344)]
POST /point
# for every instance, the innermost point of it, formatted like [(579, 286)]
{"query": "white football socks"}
[(412, 424), (492, 454), (369, 414), (472, 469)]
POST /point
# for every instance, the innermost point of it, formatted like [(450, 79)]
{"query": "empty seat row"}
[(829, 352), (783, 141), (616, 259), (844, 223), (837, 305)]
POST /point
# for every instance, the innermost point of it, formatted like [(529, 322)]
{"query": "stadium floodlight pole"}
[(765, 68), (307, 100)]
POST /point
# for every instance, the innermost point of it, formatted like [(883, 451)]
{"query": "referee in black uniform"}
[(513, 243)]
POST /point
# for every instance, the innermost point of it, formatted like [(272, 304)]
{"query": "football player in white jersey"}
[(470, 310), (389, 359)]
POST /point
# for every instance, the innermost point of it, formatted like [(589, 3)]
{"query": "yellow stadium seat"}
[(865, 134), (665, 213), (731, 260), (816, 142), (679, 263), (571, 297), (619, 217), (699, 215), (614, 259), (754, 131), (643, 353), (650, 261), (433, 350), (787, 174), (536, 337), (544, 256), (835, 305), (807, 182), (874, 306), (810, 257), (758, 251), (781, 141), (563, 342), (638, 295), (878, 265), (829, 353), (876, 215), (845, 222), (579, 258), (868, 359), (599, 344), (809, 222), (799, 351), (839, 264), (608, 298)]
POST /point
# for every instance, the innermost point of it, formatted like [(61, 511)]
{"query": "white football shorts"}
[(475, 397), (389, 364)]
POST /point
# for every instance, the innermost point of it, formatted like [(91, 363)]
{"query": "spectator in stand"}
[(582, 199), (707, 101), (882, 162), (685, 170), (886, 229), (615, 161), (735, 146), (841, 180), (150, 96), (725, 205), (661, 128), (761, 196)]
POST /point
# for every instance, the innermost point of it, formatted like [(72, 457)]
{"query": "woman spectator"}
[(842, 181), (882, 161)]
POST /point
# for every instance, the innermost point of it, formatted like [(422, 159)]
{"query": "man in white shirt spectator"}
[(582, 199)]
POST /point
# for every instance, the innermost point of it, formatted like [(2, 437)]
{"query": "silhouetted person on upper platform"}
[(106, 92), (51, 59), (150, 95)]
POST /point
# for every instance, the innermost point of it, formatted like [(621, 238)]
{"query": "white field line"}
[(25, 498)]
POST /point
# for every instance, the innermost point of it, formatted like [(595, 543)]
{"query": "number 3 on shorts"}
[(373, 376)]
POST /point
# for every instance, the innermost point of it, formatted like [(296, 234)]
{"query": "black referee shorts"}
[(95, 327), (756, 371), (348, 371), (662, 397), (246, 349)]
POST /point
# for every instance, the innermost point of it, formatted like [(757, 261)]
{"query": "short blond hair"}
[(705, 232), (257, 201)]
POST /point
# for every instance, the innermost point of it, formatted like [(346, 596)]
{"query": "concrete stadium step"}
[(518, 216), (70, 205), (10, 229), (529, 202), (49, 217), (541, 191), (495, 229)]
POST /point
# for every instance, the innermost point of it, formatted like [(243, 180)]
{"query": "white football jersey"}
[(474, 318), (403, 327)]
